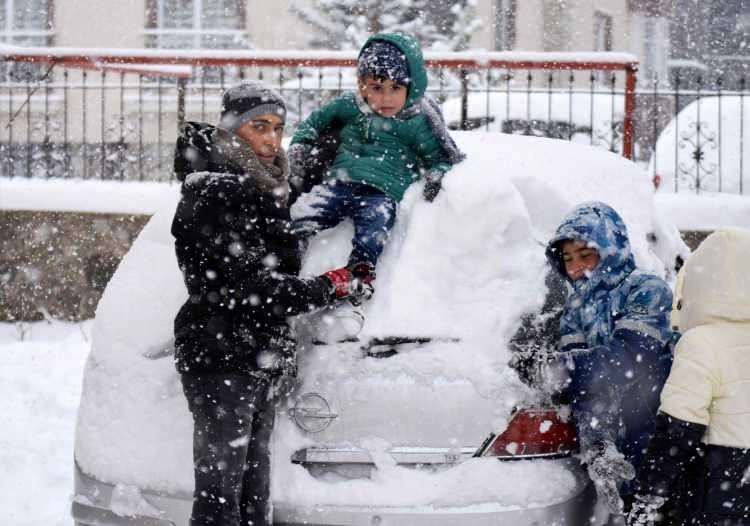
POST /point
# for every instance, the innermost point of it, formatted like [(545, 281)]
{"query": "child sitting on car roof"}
[(391, 135)]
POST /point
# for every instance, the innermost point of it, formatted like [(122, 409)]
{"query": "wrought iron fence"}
[(695, 133), (110, 114)]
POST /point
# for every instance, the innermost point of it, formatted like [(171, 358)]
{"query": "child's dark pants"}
[(372, 211), (232, 426)]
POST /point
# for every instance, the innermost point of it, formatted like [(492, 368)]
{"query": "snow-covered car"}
[(397, 433), (578, 115), (702, 148)]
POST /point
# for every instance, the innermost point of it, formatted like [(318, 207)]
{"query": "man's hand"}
[(352, 283)]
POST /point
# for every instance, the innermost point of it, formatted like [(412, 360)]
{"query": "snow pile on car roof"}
[(466, 266)]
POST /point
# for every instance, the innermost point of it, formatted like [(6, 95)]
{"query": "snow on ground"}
[(77, 195), (704, 212), (40, 386)]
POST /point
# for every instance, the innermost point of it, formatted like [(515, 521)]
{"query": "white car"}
[(425, 432)]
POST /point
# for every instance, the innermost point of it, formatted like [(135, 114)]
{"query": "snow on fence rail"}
[(113, 113)]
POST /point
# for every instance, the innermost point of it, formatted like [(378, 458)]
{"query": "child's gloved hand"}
[(607, 468), (297, 155), (432, 185), (431, 190), (645, 510)]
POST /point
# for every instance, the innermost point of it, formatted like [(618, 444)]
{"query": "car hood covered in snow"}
[(462, 270)]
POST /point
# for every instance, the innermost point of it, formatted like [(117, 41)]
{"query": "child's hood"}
[(714, 284), (599, 226), (411, 49)]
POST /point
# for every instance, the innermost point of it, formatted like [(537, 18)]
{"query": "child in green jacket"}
[(391, 135)]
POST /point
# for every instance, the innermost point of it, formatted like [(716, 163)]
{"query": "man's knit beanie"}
[(248, 100), (384, 60)]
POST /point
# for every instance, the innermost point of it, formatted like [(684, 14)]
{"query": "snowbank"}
[(704, 212), (78, 195), (40, 386)]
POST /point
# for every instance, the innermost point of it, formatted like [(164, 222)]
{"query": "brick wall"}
[(58, 263)]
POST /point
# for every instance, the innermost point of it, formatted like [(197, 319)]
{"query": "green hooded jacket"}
[(387, 153)]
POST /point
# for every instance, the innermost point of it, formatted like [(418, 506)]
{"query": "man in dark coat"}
[(240, 263)]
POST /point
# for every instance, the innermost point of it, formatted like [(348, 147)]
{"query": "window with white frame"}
[(505, 24), (650, 41), (211, 24), (26, 22), (556, 25), (602, 31)]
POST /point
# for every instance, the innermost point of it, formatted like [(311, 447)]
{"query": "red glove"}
[(353, 283)]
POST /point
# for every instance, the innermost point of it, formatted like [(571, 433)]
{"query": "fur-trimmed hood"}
[(714, 284)]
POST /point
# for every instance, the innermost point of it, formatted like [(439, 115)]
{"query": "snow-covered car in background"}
[(373, 436), (582, 116), (702, 148)]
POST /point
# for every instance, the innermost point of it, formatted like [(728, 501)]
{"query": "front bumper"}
[(573, 512), (97, 503), (93, 506), (578, 509)]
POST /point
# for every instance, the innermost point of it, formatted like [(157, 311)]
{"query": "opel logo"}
[(312, 413)]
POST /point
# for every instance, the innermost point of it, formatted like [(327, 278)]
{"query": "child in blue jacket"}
[(615, 339)]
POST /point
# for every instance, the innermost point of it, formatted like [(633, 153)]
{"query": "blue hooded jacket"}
[(614, 333)]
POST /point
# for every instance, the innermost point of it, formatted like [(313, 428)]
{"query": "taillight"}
[(532, 433), (656, 180)]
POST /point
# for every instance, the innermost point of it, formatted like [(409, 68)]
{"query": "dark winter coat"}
[(387, 153), (699, 457), (614, 333), (238, 258)]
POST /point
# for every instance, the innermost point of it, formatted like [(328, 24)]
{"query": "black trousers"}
[(232, 420)]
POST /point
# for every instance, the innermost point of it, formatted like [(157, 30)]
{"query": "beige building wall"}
[(484, 38), (100, 23), (581, 20), (552, 25), (530, 25), (271, 24), (120, 24)]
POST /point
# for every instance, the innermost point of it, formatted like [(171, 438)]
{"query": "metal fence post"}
[(464, 74), (628, 125), (181, 90)]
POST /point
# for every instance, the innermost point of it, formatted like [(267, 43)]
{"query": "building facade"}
[(532, 25)]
